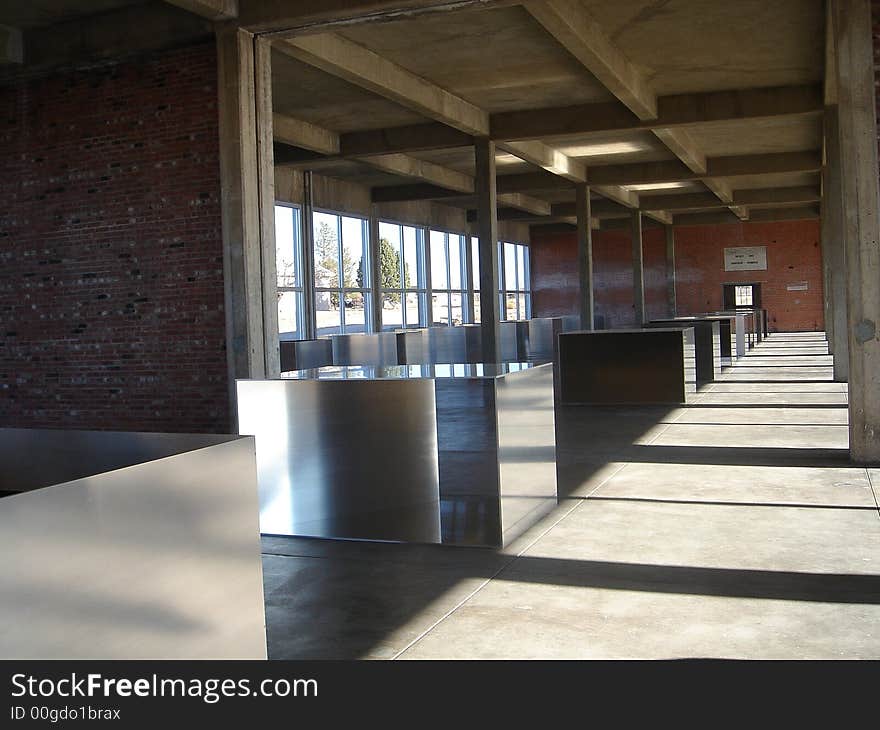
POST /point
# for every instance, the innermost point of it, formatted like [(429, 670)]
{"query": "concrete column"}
[(308, 258), (266, 192), (859, 183), (670, 271), (487, 225), (376, 271), (825, 246), (241, 210), (833, 248), (638, 268), (585, 255)]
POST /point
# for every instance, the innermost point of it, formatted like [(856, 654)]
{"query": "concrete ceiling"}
[(505, 59), (708, 45), (499, 59)]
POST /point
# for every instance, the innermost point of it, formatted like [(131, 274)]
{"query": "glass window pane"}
[(288, 306), (456, 312), (475, 260), (477, 318), (439, 270), (440, 308), (285, 253), (355, 312), (413, 255), (414, 311), (392, 311), (521, 252), (454, 262), (510, 267), (354, 260), (510, 306), (326, 252), (328, 318), (523, 307)]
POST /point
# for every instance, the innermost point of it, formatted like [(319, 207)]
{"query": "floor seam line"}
[(873, 491)]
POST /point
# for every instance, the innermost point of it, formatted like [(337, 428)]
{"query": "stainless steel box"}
[(461, 454), (462, 344), (633, 366), (377, 349), (129, 546), (305, 354)]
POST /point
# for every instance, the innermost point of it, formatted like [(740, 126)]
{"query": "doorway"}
[(742, 296)]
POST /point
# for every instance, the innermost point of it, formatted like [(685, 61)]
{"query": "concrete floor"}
[(733, 527)]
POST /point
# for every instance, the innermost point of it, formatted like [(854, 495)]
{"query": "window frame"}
[(341, 290), (299, 291), (422, 273)]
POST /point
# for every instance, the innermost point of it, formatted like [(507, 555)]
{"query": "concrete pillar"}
[(585, 255), (241, 210), (376, 271), (487, 227), (266, 192), (308, 258), (638, 266), (670, 271), (833, 248), (861, 213)]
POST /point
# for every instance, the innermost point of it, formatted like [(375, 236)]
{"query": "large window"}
[(513, 281), (341, 270), (403, 276), (289, 273), (448, 278)]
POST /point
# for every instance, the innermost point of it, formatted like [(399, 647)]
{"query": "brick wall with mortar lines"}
[(555, 275), (792, 251), (111, 260), (793, 257)]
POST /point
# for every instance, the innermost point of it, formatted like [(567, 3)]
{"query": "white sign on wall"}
[(745, 258)]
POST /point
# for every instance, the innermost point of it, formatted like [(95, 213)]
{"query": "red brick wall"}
[(793, 256), (111, 271), (555, 275), (792, 253)]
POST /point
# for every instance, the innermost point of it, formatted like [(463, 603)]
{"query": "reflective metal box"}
[(637, 366), (707, 344), (129, 546), (461, 454)]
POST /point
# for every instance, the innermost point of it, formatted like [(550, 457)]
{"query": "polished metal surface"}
[(460, 344), (305, 354), (543, 338), (707, 344), (462, 453), (346, 453), (514, 340), (370, 349), (412, 346), (627, 366), (129, 546)]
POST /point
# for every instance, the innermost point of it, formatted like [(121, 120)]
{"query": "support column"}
[(376, 271), (241, 210), (670, 272), (308, 258), (834, 249), (860, 190), (266, 192), (487, 225), (638, 268), (585, 255)]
